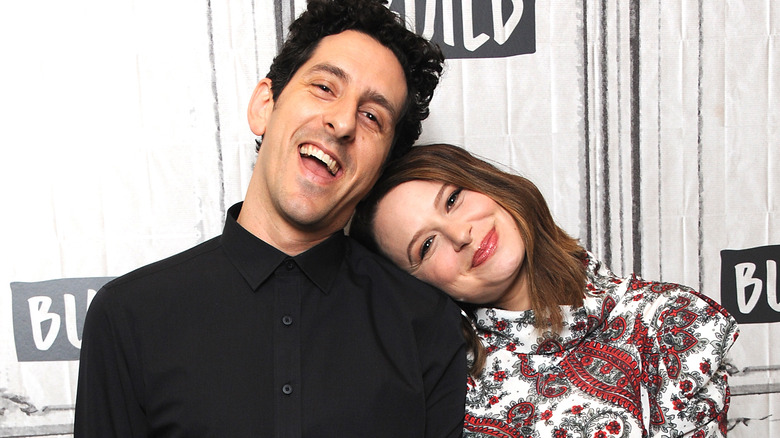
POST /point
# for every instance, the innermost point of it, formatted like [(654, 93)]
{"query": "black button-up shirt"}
[(233, 338)]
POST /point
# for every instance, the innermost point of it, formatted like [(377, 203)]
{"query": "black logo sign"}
[(748, 280), (473, 28), (49, 315)]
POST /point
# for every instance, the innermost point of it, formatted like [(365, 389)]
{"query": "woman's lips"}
[(486, 248)]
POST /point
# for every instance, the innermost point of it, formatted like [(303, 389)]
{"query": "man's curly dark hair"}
[(422, 61)]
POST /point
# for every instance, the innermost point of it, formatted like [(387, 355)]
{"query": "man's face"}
[(327, 135)]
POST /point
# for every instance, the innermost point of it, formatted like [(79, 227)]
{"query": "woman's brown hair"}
[(553, 259)]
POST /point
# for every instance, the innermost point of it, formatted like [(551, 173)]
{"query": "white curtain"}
[(651, 127)]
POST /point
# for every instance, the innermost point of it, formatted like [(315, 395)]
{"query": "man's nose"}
[(340, 119)]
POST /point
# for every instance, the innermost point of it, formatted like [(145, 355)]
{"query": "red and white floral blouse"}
[(639, 359)]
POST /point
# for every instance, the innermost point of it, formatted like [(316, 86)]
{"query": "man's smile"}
[(309, 150)]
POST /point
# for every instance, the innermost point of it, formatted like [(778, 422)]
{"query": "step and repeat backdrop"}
[(653, 130)]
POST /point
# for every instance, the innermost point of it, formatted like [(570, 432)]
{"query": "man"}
[(283, 326)]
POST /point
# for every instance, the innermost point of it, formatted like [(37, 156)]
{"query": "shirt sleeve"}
[(443, 353), (694, 335), (107, 397)]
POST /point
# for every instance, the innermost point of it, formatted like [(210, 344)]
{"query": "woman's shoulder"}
[(657, 303)]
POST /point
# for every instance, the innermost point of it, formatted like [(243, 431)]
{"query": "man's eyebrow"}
[(416, 236), (332, 69), (381, 100), (371, 95)]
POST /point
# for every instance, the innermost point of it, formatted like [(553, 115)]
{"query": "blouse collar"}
[(516, 328)]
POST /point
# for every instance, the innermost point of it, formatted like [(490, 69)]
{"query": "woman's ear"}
[(260, 106)]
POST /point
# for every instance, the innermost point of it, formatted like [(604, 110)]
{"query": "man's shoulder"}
[(362, 259), (377, 273), (182, 264)]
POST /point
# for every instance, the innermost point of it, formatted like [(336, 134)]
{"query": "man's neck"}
[(279, 234)]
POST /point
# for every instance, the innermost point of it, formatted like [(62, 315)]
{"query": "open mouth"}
[(332, 165)]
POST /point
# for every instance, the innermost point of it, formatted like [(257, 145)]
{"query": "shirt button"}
[(287, 389), (290, 265), (287, 320)]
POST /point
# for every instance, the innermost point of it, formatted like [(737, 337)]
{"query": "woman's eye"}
[(425, 247), (453, 198)]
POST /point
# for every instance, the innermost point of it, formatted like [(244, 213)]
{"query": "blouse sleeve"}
[(694, 334)]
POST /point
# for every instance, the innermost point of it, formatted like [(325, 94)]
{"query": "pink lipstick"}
[(486, 248)]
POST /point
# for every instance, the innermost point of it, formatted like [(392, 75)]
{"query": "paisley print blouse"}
[(639, 359)]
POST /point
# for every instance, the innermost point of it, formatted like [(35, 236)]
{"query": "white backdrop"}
[(652, 130)]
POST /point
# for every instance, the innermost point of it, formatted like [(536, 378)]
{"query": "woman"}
[(560, 346)]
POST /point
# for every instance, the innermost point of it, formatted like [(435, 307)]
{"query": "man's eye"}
[(372, 118), (453, 198), (323, 87), (425, 247)]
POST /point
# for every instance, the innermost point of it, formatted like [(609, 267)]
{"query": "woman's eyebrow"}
[(409, 247), (436, 201)]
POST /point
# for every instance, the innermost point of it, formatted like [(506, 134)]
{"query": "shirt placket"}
[(287, 350)]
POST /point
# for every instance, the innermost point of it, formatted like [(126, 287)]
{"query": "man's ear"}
[(260, 106)]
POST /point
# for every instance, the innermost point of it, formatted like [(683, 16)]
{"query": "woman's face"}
[(460, 241)]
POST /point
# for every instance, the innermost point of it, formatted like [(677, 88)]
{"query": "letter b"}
[(39, 313), (744, 275)]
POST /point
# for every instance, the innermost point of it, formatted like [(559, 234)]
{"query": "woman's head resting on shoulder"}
[(483, 236), (458, 240)]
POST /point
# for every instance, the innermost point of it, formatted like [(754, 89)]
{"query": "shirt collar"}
[(579, 322), (256, 260), (322, 262)]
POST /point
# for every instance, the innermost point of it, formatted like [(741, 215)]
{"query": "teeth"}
[(311, 151)]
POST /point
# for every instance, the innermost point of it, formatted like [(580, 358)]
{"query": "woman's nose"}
[(459, 233)]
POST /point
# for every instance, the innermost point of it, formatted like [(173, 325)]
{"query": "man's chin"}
[(317, 222)]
